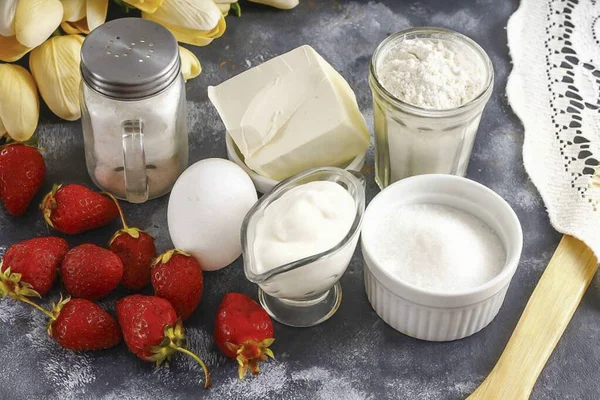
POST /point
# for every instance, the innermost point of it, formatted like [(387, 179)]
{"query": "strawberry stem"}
[(195, 357), (42, 309), (114, 199), (49, 204)]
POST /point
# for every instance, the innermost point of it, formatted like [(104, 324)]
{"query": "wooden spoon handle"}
[(542, 323)]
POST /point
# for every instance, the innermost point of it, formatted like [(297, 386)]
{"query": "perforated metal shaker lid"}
[(130, 58)]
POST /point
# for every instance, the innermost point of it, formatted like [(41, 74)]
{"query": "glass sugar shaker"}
[(133, 109)]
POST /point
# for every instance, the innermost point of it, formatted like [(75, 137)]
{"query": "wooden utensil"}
[(542, 323)]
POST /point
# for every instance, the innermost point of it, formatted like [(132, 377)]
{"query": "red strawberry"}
[(76, 324), (37, 261), (152, 331), (22, 171), (137, 251), (244, 331), (79, 324), (74, 209), (91, 272), (177, 277)]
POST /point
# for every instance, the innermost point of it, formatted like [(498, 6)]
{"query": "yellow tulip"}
[(96, 13), (94, 16), (148, 6), (55, 67), (73, 28), (74, 10), (197, 38), (224, 7), (227, 5), (19, 103), (195, 22), (11, 50), (2, 130), (198, 15), (36, 20), (190, 66), (282, 4), (7, 17)]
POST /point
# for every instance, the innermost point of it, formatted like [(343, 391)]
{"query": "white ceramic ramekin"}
[(264, 184), (426, 314)]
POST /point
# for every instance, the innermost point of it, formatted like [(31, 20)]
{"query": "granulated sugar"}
[(438, 247), (431, 74)]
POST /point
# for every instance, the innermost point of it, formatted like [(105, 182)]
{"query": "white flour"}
[(430, 74), (10, 311), (333, 386), (441, 72)]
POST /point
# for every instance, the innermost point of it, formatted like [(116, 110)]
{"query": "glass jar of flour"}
[(133, 109), (430, 86)]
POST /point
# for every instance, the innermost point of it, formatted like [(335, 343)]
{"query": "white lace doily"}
[(554, 88)]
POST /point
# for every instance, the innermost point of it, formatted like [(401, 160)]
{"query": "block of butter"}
[(292, 113)]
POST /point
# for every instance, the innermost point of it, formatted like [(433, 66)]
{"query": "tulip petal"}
[(148, 6), (224, 7), (69, 28), (282, 4), (189, 39), (74, 10), (190, 65), (20, 113), (190, 36), (35, 20), (74, 28), (2, 129), (200, 15), (55, 67), (11, 50), (7, 17), (96, 13)]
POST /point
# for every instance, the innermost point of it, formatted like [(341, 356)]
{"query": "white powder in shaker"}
[(430, 74), (437, 247), (165, 147)]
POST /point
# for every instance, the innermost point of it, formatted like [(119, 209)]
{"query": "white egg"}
[(207, 206)]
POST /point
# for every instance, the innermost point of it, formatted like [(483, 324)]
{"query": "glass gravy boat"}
[(305, 292)]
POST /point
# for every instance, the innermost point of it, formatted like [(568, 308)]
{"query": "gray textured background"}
[(354, 355)]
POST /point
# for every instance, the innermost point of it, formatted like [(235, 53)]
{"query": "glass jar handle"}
[(136, 181)]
